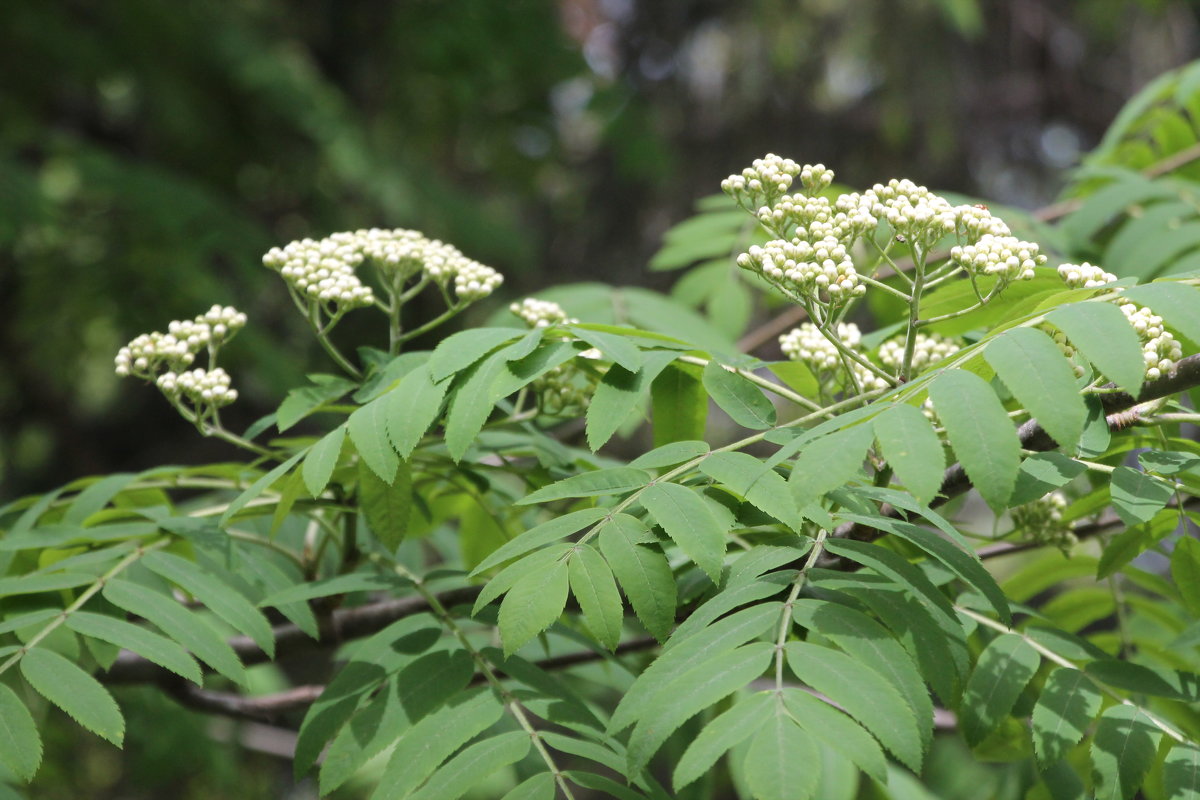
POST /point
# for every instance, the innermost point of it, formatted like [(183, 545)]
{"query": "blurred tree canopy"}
[(151, 152)]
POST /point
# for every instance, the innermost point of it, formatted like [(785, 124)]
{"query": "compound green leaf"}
[(549, 531), (909, 444), (424, 746), (865, 694), (690, 523), (762, 487), (643, 572), (222, 599), (1043, 473), (725, 731), (539, 787), (74, 691), (258, 487), (1181, 772), (386, 505), (679, 405), (505, 578), (460, 350), (184, 626), (1136, 496), (321, 459), (411, 408), (135, 638), (1102, 333), (784, 761), (303, 401), (614, 480), (869, 642), (966, 566), (618, 349), (1004, 667), (368, 431), (474, 765), (532, 605), (20, 743), (739, 398), (981, 433), (1041, 378), (1066, 707), (594, 587), (722, 636), (1123, 750), (691, 691), (1185, 570), (829, 462), (618, 395), (838, 731)]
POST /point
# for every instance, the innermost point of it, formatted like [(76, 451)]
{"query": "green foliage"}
[(788, 608)]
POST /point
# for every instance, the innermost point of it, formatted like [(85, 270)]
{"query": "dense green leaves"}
[(1181, 772), (643, 572), (531, 605), (1068, 703), (146, 643), (1034, 369), (783, 762), (864, 694), (1122, 751), (738, 397), (1102, 333), (386, 504), (690, 522), (67, 686), (720, 734), (1136, 496), (1004, 667), (322, 459), (679, 404), (593, 585), (980, 432), (619, 394), (368, 431), (411, 408), (908, 442), (20, 743), (616, 480), (828, 462)]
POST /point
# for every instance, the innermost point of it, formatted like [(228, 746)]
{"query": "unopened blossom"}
[(805, 268), (807, 344), (764, 180), (1084, 276), (175, 350), (1160, 348), (928, 349), (1003, 257), (201, 387), (541, 313), (1042, 521)]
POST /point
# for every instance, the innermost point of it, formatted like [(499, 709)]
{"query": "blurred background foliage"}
[(151, 152)]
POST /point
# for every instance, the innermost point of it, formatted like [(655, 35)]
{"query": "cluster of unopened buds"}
[(165, 358), (766, 179), (1042, 522), (928, 349), (565, 389), (806, 270), (541, 313), (200, 387), (809, 345), (1004, 257), (325, 270), (1160, 348)]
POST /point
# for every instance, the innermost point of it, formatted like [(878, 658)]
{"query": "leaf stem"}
[(785, 616)]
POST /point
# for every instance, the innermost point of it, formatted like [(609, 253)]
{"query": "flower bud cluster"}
[(911, 210), (325, 269), (928, 349), (974, 222), (178, 347), (1067, 349), (1084, 276), (1004, 257), (563, 391), (1042, 521), (1160, 348), (201, 387), (763, 181), (815, 218), (541, 313), (806, 343), (806, 269)]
